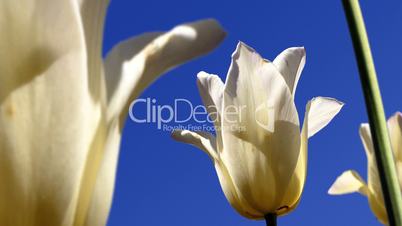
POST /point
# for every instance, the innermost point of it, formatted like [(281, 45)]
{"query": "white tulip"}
[(261, 166), (350, 181), (62, 108)]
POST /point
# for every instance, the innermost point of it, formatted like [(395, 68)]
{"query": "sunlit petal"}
[(349, 182), (133, 64), (319, 111), (322, 111), (290, 64), (48, 116), (268, 119)]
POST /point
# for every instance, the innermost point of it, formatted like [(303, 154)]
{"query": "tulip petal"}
[(101, 198), (290, 64), (295, 188), (349, 182), (133, 64), (100, 178), (93, 13), (235, 199), (395, 132), (257, 140), (211, 91), (322, 111), (254, 84), (206, 142), (376, 199), (48, 118), (373, 177), (319, 112), (92, 16), (203, 140), (130, 67), (365, 136)]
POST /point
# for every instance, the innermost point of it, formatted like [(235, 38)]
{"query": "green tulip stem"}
[(270, 219), (375, 111)]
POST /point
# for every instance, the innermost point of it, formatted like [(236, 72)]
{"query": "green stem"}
[(375, 110), (270, 219)]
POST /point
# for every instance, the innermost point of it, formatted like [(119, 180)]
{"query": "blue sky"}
[(161, 182)]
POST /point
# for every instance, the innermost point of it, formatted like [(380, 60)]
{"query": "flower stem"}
[(375, 110), (270, 219)]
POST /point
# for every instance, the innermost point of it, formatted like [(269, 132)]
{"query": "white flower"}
[(350, 181), (262, 167), (62, 108)]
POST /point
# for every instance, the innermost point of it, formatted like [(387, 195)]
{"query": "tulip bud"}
[(350, 181), (261, 167)]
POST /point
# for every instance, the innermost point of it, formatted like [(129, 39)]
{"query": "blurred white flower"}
[(350, 181), (262, 167), (62, 108)]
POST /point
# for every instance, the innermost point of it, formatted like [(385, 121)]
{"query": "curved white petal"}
[(93, 13), (211, 91), (376, 199), (48, 118), (268, 135), (365, 136), (121, 75), (349, 182), (132, 65), (102, 192), (290, 64), (203, 140), (207, 143), (319, 112), (395, 132), (255, 85), (372, 171), (294, 189), (322, 111), (236, 200)]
